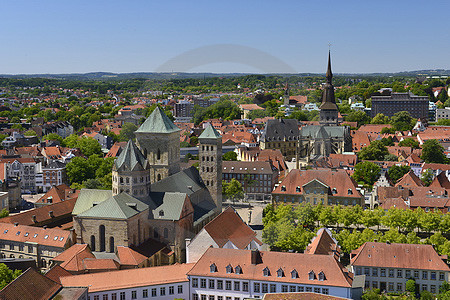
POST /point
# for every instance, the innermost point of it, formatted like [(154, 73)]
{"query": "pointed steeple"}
[(158, 122), (209, 133), (329, 74), (130, 157)]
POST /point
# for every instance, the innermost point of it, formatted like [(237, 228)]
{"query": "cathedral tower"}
[(328, 109), (210, 156), (159, 140), (130, 173)]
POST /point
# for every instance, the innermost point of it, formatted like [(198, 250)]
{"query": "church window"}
[(128, 180), (203, 169), (159, 177), (212, 158), (121, 179), (155, 233), (111, 244), (212, 169), (92, 242), (102, 237), (212, 182), (207, 169), (158, 154), (203, 158)]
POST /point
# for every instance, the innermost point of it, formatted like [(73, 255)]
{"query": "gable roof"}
[(88, 197), (209, 133), (158, 122), (44, 236), (323, 243), (409, 179), (129, 257), (72, 259), (130, 158), (56, 272), (228, 226), (57, 194), (167, 206), (254, 262), (30, 281), (406, 256), (123, 279), (441, 181), (122, 206)]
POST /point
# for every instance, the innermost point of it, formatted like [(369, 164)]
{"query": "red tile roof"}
[(72, 259), (335, 274), (30, 285), (334, 179), (409, 179), (56, 272), (300, 296), (57, 194), (404, 256), (102, 264), (323, 243), (228, 226), (123, 279), (441, 181), (42, 214), (129, 257), (49, 237)]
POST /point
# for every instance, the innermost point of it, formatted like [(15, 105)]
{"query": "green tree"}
[(411, 286), (89, 146), (233, 190), (92, 184), (230, 156), (4, 213), (409, 142), (366, 172), (71, 141), (78, 170), (380, 119), (52, 137), (375, 151), (30, 133), (18, 127), (327, 217), (305, 214), (358, 116), (427, 177), (127, 132), (433, 152), (402, 121), (396, 172), (7, 275)]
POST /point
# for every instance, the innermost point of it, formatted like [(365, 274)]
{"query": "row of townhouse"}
[(225, 274)]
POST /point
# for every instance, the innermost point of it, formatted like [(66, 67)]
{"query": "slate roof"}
[(131, 158), (166, 205), (31, 281), (88, 197), (116, 207), (158, 122), (280, 129), (320, 131), (209, 133)]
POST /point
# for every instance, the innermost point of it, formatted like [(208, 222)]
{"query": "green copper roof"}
[(122, 206), (88, 197), (130, 157), (209, 133), (158, 122), (166, 205)]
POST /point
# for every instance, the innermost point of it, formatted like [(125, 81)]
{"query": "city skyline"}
[(286, 37)]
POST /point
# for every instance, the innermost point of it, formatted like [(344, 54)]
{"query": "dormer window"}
[(266, 271), (350, 192), (280, 272), (311, 275), (334, 191), (161, 213), (283, 188), (229, 269), (297, 189), (238, 270), (294, 274), (213, 268), (321, 276)]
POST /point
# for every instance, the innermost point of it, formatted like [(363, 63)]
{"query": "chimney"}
[(45, 227), (16, 224), (50, 213), (255, 257)]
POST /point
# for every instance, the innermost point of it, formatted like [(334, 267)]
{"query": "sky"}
[(243, 36)]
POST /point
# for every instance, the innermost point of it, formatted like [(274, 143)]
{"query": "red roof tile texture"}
[(404, 256)]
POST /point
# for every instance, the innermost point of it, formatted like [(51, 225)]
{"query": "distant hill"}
[(181, 75)]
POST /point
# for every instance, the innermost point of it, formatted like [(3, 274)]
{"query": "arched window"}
[(43, 263), (155, 233), (111, 244), (166, 233), (11, 256), (93, 242), (159, 177), (102, 237), (158, 154), (121, 179)]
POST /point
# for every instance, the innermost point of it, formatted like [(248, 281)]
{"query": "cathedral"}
[(151, 198), (327, 137), (312, 141)]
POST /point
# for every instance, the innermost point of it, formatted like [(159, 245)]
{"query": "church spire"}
[(329, 74)]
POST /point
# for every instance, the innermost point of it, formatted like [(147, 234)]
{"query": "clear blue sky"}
[(50, 36)]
